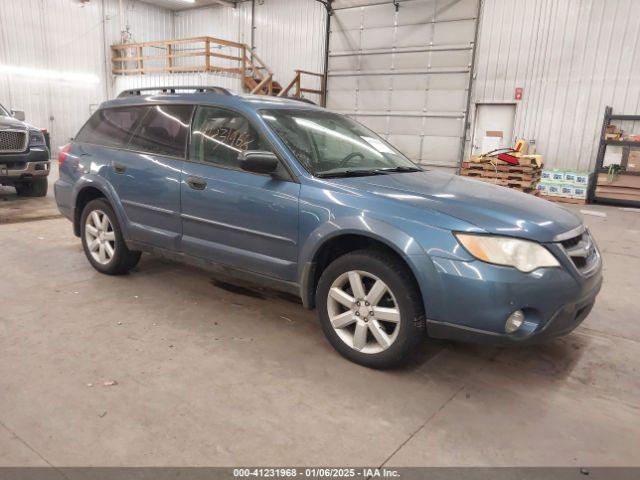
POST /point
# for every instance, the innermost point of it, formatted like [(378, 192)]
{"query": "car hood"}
[(10, 122), (490, 208)]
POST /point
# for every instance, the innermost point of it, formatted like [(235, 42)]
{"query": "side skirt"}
[(222, 271)]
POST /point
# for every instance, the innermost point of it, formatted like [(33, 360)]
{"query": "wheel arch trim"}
[(396, 240), (103, 186)]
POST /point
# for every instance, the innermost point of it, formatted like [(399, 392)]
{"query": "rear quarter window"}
[(111, 127)]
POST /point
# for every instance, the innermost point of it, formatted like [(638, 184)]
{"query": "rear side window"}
[(164, 130), (111, 127)]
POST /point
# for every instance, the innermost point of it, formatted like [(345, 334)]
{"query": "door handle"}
[(119, 168), (196, 183)]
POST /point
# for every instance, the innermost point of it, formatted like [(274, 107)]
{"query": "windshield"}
[(328, 144), (4, 112)]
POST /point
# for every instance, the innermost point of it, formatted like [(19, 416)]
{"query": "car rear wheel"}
[(370, 308), (33, 188), (102, 240)]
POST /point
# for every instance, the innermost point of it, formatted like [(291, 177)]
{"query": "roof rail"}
[(164, 90), (304, 100)]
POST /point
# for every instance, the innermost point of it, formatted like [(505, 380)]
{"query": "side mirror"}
[(18, 114), (257, 161)]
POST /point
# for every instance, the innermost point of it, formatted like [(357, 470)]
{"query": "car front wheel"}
[(370, 308), (102, 240)]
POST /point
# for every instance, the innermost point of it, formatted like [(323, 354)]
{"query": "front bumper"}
[(16, 167), (480, 297), (11, 172)]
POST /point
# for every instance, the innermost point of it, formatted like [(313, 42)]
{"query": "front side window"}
[(164, 130), (328, 144), (220, 135), (111, 127)]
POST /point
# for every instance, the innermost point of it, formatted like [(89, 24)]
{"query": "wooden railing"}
[(299, 89), (178, 56), (207, 55)]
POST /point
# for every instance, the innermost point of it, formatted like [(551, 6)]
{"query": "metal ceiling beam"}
[(226, 3)]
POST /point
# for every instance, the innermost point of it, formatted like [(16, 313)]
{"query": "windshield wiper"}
[(352, 173), (373, 171), (399, 169)]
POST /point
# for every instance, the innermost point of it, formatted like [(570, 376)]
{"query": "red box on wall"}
[(518, 95)]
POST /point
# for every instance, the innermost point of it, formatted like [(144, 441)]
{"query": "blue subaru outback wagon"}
[(286, 194)]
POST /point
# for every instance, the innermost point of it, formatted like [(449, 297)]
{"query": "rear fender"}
[(101, 184)]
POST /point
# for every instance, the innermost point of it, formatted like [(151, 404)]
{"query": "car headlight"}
[(524, 255), (36, 139)]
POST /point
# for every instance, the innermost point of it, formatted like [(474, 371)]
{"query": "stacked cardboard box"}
[(564, 185), (633, 161)]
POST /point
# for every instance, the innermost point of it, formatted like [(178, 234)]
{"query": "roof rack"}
[(142, 91)]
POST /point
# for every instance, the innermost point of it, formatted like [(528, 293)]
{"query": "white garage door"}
[(403, 68)]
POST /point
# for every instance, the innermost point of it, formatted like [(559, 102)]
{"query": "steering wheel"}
[(350, 157)]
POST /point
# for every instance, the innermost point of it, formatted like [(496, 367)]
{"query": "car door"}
[(230, 216), (146, 175)]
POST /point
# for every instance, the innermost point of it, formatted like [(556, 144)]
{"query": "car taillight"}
[(64, 153)]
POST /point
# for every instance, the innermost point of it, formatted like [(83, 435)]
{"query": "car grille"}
[(582, 251), (13, 141)]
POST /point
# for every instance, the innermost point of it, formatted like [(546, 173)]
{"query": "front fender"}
[(359, 225), (100, 183), (399, 241)]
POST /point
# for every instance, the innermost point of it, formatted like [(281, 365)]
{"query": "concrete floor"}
[(213, 375), (15, 209)]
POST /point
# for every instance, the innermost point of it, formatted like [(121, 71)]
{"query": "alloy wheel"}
[(100, 237), (363, 312)]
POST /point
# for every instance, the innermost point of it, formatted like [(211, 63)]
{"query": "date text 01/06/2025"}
[(325, 472)]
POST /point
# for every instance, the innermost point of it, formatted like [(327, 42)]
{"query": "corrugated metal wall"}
[(145, 22), (222, 22), (572, 58), (289, 34), (69, 41), (61, 36), (232, 24), (64, 36)]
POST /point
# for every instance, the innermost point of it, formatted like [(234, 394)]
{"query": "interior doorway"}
[(493, 127)]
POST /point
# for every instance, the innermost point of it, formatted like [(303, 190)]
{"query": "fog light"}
[(514, 322)]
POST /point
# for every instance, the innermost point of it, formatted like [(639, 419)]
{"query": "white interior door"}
[(491, 120)]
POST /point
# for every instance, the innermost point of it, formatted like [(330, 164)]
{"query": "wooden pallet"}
[(522, 185), (528, 176), (576, 201), (525, 160), (487, 166)]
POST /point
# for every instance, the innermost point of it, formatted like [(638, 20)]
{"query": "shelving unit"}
[(601, 169)]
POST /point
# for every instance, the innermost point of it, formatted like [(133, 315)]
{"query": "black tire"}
[(37, 187), (123, 259), (396, 275)]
